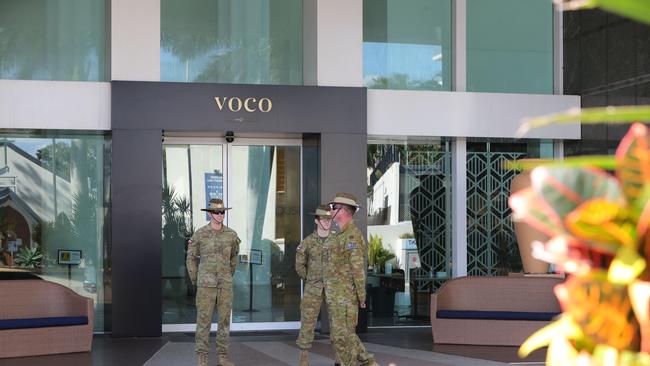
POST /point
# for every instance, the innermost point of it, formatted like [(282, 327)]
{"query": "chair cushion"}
[(42, 322), (494, 315)]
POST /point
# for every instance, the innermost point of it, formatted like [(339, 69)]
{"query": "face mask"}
[(335, 227)]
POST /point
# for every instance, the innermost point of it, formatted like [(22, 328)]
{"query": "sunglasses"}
[(218, 212), (337, 207)]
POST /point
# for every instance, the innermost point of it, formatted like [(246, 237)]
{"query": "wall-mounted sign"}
[(13, 245), (250, 105), (71, 257), (409, 244), (213, 189), (253, 257)]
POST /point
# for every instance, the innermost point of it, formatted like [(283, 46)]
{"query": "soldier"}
[(310, 266), (345, 283), (212, 252)]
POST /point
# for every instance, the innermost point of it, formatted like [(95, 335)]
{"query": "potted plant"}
[(29, 257), (377, 254)]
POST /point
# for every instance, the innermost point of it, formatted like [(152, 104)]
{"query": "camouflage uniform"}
[(213, 254), (345, 288), (310, 266)]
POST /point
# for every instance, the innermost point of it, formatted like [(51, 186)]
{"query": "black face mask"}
[(335, 227)]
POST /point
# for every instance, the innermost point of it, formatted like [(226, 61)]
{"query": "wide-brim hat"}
[(322, 211), (346, 199), (216, 204)]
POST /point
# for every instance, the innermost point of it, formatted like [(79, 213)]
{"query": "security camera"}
[(230, 136)]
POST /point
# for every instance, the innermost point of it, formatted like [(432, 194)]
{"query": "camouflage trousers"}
[(206, 298), (309, 310), (344, 339)]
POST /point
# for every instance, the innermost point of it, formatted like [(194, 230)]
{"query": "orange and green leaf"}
[(528, 207), (564, 188), (603, 222), (633, 162), (602, 310)]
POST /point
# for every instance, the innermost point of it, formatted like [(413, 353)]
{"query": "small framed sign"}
[(71, 257), (253, 257)]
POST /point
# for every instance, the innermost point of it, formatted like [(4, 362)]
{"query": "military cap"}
[(322, 211), (346, 199), (216, 204)]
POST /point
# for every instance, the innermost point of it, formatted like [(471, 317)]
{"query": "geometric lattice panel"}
[(425, 197), (491, 243)]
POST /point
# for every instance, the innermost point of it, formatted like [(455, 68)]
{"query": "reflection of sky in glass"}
[(419, 62), (31, 145)]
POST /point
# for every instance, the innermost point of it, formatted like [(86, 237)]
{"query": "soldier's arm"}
[(234, 254), (358, 270), (301, 260), (192, 261)]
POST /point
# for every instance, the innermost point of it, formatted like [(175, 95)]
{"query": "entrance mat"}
[(283, 353)]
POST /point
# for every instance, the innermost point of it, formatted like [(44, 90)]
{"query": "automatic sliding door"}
[(192, 175), (265, 196)]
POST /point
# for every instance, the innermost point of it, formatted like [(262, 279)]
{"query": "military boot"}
[(304, 358), (223, 361), (202, 359), (337, 360)]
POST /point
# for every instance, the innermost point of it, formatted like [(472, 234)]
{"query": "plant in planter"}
[(377, 254), (29, 257)]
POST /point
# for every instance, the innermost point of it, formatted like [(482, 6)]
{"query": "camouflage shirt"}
[(311, 257), (345, 274), (213, 254)]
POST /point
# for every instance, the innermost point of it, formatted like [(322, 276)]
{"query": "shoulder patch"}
[(352, 245)]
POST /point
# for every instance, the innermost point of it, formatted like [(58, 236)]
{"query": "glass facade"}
[(409, 222), (230, 41), (510, 46), (53, 40), (54, 199), (407, 44)]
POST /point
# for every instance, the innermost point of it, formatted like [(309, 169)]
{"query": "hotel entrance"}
[(261, 180)]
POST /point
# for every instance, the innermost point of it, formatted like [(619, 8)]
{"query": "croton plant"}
[(598, 222)]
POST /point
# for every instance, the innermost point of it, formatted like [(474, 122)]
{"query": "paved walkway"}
[(391, 346), (277, 353)]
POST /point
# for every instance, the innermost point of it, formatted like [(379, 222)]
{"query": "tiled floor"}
[(401, 346)]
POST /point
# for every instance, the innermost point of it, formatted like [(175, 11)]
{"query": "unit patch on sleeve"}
[(352, 245)]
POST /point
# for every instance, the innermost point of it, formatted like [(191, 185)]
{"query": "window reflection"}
[(53, 40), (53, 201), (409, 228), (407, 44), (227, 41)]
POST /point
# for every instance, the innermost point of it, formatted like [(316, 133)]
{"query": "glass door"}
[(192, 175), (261, 181), (265, 195)]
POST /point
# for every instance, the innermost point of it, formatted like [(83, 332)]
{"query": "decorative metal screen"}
[(425, 199), (491, 243)]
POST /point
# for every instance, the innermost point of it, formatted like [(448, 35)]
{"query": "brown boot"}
[(223, 361), (202, 359), (304, 358)]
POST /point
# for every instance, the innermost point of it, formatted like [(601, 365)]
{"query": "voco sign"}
[(251, 104)]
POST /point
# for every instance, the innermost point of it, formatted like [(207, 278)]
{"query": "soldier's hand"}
[(362, 305)]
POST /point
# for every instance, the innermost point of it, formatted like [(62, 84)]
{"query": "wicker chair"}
[(40, 317), (492, 310)]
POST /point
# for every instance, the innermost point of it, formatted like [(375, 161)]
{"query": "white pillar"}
[(459, 208), (459, 42), (135, 40), (333, 42)]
